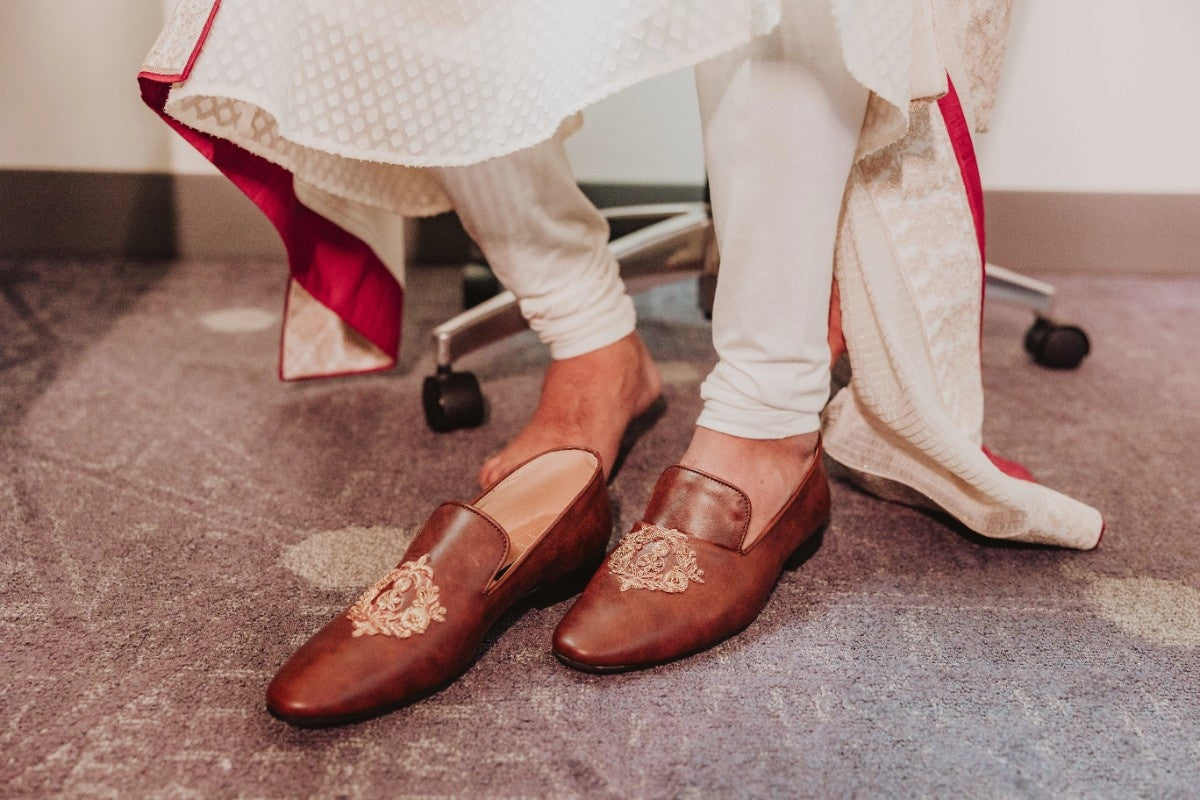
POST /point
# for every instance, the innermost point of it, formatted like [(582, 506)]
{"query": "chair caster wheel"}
[(706, 293), (1055, 345), (479, 283), (452, 400)]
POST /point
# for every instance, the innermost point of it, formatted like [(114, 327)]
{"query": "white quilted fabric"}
[(169, 55), (393, 84), (356, 96), (877, 38)]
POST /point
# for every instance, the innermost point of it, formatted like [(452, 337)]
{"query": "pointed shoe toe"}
[(600, 638), (420, 626), (337, 677), (685, 579)]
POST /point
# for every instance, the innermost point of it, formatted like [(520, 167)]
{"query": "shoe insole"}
[(528, 501)]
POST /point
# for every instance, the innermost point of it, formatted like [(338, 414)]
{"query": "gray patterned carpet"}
[(174, 522)]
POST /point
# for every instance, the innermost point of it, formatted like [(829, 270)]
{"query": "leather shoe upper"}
[(684, 578), (420, 626)]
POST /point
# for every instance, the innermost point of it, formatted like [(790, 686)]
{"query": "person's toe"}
[(490, 472)]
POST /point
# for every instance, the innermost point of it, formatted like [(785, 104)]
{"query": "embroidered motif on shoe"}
[(383, 609), (655, 558)]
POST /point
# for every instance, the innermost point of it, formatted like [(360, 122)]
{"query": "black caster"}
[(1056, 346), (478, 284), (452, 400), (706, 293)]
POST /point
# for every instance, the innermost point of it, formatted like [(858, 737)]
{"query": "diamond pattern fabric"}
[(391, 86)]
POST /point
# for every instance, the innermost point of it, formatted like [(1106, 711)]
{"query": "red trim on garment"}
[(338, 269), (187, 68), (1010, 468), (968, 167), (964, 152)]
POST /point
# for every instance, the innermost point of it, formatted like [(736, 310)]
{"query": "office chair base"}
[(1052, 344), (666, 243)]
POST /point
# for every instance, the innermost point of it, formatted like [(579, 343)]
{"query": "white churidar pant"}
[(781, 119), (546, 243)]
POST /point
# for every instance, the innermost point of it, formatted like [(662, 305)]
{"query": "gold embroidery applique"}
[(382, 608), (655, 558)]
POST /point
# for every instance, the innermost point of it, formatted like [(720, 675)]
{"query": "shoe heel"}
[(807, 548), (565, 586)]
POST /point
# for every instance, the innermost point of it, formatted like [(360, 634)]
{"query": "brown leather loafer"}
[(419, 628), (684, 578)]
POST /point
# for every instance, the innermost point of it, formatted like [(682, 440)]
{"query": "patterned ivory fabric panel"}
[(177, 42), (355, 97)]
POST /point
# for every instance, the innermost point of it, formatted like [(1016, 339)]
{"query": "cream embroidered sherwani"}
[(344, 104)]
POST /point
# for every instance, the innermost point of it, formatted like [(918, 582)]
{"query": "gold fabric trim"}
[(382, 608), (171, 52), (655, 558)]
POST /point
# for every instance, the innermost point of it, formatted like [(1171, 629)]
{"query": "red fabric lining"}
[(335, 267), (964, 152), (1010, 468)]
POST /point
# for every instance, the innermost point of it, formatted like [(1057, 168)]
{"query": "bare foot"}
[(586, 401), (767, 470)]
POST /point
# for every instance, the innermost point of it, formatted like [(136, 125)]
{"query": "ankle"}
[(767, 471), (587, 400), (622, 372), (713, 446)]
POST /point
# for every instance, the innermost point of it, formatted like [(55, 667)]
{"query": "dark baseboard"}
[(45, 213), (129, 215), (154, 216)]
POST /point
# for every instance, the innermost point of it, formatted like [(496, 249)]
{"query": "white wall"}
[(68, 88), (1097, 97), (649, 133)]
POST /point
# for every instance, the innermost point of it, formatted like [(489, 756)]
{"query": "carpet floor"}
[(174, 522)]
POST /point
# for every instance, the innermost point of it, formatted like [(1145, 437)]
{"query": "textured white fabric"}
[(876, 39), (547, 243), (387, 85), (909, 274), (354, 96), (781, 119)]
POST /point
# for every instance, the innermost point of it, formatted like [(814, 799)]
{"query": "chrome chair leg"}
[(674, 244), (675, 241), (1051, 344)]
